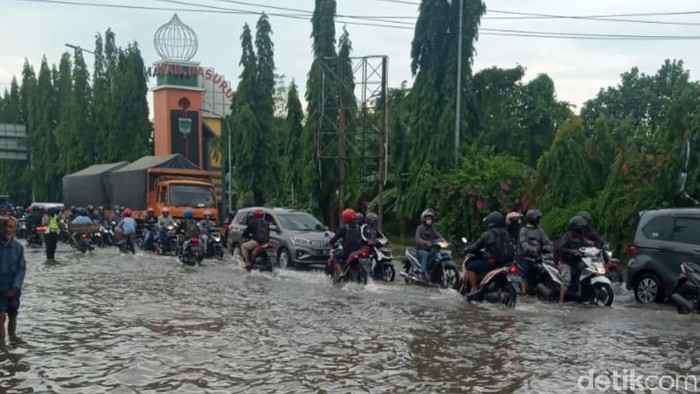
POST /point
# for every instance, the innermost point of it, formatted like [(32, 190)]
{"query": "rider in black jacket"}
[(351, 237), (485, 247)]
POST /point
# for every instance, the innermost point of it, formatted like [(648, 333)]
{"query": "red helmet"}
[(150, 210), (165, 210), (30, 209), (127, 213), (258, 213), (349, 216)]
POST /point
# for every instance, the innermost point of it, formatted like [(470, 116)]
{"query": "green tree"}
[(65, 138), (295, 165), (45, 174), (102, 102), (322, 119)]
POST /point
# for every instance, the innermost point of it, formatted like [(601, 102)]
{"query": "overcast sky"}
[(579, 68)]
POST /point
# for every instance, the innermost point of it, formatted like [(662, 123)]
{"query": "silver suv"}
[(299, 238)]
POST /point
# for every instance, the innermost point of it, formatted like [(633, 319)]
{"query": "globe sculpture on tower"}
[(176, 41)]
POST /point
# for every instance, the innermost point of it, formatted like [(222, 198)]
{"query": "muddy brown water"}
[(145, 324)]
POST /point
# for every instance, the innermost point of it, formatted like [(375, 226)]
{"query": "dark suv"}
[(299, 238), (665, 238)]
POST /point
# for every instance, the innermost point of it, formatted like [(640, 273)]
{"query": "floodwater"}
[(145, 324)]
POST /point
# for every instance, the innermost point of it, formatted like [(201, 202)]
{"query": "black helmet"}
[(359, 218), (495, 219), (371, 219), (82, 211), (53, 211), (72, 208), (586, 216), (577, 223), (533, 216), (426, 213)]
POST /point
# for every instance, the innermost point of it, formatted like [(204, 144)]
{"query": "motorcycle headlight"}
[(601, 270), (300, 241)]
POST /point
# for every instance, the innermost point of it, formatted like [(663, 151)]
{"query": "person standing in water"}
[(12, 270)]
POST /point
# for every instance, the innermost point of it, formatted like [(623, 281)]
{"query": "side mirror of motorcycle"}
[(465, 240)]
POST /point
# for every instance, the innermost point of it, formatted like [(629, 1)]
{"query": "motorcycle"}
[(192, 252), (35, 238), (686, 296), (84, 244), (106, 236), (149, 239), (127, 245), (260, 259), (442, 271), (215, 246), (23, 227), (499, 286), (590, 286), (352, 268), (612, 267), (170, 245), (380, 262)]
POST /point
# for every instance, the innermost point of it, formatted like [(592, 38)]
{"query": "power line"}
[(483, 31)]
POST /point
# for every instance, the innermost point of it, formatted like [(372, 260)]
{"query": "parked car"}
[(665, 238), (299, 238)]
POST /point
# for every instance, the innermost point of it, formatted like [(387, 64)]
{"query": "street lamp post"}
[(458, 103), (106, 64)]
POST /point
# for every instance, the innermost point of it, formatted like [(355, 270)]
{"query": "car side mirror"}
[(327, 228), (274, 228)]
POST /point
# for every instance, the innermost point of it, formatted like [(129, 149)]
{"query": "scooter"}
[(35, 238), (127, 245), (499, 286), (215, 246), (686, 296), (591, 285), (442, 271), (85, 243), (380, 264), (191, 253), (170, 244), (260, 258)]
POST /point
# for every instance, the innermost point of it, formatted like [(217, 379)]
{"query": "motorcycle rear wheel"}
[(511, 297), (388, 272)]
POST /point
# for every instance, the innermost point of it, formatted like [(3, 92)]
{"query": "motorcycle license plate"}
[(515, 279)]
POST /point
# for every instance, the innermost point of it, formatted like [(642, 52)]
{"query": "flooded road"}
[(145, 324)]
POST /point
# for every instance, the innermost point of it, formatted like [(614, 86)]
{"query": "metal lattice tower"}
[(176, 41), (364, 137)]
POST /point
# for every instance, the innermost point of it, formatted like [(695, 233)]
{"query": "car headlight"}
[(601, 270), (300, 241)]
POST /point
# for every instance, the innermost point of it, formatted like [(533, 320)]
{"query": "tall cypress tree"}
[(65, 140), (45, 175), (246, 126), (101, 99), (81, 115), (295, 164), (264, 148), (322, 107)]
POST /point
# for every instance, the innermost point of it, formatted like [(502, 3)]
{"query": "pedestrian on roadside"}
[(12, 270)]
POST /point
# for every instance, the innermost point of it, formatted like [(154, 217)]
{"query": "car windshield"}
[(299, 222), (191, 196)]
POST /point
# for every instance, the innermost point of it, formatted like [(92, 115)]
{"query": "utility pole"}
[(458, 109), (383, 142), (342, 149)]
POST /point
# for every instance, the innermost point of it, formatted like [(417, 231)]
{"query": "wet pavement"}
[(146, 324)]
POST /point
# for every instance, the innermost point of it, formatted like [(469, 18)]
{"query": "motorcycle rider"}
[(91, 212), (514, 221), (34, 219), (116, 214), (359, 219), (164, 221), (571, 243), (372, 236), (257, 233), (592, 238), (150, 224), (532, 241), (351, 240), (426, 234), (127, 226), (81, 218), (188, 227), (205, 226), (491, 244)]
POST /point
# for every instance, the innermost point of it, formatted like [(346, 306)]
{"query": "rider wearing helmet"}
[(514, 222), (188, 226), (370, 233), (426, 236), (81, 218), (127, 226), (350, 236), (164, 221), (257, 233), (359, 219), (487, 248), (531, 242), (150, 226), (206, 225), (116, 214), (571, 243)]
